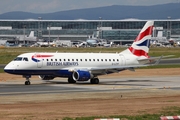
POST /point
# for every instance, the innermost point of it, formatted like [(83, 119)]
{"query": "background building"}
[(119, 31)]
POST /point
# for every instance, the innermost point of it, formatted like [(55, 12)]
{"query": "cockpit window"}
[(18, 59), (21, 59), (25, 59)]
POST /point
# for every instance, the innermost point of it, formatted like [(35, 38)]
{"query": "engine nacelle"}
[(46, 77), (80, 75)]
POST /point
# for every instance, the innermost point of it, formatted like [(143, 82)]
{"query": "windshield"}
[(21, 59), (18, 59)]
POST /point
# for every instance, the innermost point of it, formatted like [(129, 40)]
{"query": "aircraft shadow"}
[(129, 82), (114, 82), (55, 82)]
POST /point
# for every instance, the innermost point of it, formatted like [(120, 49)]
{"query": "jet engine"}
[(80, 75), (46, 77)]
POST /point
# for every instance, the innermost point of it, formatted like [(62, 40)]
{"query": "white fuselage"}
[(47, 63)]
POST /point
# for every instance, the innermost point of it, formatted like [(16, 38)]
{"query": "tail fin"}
[(141, 44), (31, 34)]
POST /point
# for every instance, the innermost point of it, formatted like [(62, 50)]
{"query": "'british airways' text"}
[(62, 64)]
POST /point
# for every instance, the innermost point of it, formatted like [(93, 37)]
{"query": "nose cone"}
[(6, 68), (9, 68)]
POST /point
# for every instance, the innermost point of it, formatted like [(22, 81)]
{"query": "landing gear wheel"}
[(27, 82), (71, 80), (94, 81)]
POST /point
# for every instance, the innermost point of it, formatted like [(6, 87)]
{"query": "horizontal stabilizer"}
[(152, 59)]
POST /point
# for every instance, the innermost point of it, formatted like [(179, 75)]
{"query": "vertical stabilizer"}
[(141, 44), (31, 34)]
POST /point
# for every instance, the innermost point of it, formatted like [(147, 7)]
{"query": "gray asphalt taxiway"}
[(116, 84)]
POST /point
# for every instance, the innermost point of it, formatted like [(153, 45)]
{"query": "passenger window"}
[(68, 59), (117, 59), (64, 59), (55, 59), (51, 59), (109, 59), (47, 60), (59, 59), (76, 59), (89, 59), (81, 59), (85, 59), (105, 59), (72, 59), (97, 59), (93, 59), (101, 59)]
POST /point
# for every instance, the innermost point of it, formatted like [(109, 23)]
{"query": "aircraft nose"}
[(9, 68)]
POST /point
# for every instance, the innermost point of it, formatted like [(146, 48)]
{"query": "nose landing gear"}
[(27, 82)]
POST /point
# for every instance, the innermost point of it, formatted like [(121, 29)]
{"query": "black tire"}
[(27, 82), (94, 81), (71, 80)]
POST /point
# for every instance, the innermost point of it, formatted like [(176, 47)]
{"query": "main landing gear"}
[(71, 80), (27, 82), (94, 81)]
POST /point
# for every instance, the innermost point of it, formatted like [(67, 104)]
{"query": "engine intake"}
[(80, 75), (46, 77)]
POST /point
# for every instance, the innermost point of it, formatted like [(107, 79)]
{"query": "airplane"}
[(45, 43), (92, 42), (84, 66), (31, 37)]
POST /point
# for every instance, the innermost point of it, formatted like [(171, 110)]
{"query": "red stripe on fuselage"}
[(42, 56)]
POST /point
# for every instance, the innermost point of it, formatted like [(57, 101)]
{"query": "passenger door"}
[(40, 60), (122, 60)]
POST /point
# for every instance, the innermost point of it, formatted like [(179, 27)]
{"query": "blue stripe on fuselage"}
[(56, 73), (35, 60)]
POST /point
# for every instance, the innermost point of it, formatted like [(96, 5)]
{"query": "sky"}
[(49, 6)]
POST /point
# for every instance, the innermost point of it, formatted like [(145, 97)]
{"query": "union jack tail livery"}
[(141, 44)]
